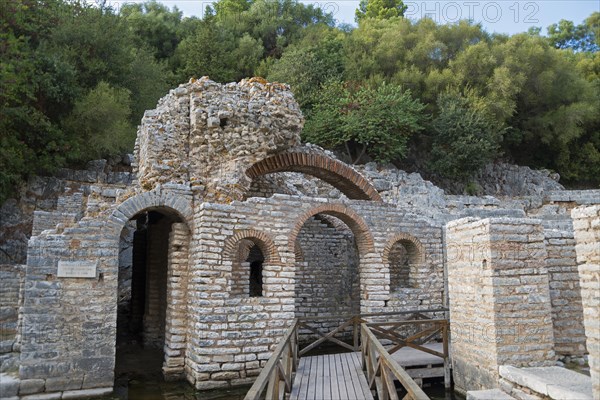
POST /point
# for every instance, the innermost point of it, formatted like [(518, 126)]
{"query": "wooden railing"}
[(354, 321), (277, 376), (381, 370), (430, 329)]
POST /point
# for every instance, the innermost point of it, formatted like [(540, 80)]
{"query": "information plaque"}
[(77, 269)]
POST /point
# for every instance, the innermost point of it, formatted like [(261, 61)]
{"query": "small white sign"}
[(77, 269)]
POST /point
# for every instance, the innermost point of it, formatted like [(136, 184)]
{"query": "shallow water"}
[(155, 390), (139, 377)]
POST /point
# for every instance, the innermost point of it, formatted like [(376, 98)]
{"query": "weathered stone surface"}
[(553, 382), (586, 221), (82, 394), (489, 394), (499, 298), (9, 385)]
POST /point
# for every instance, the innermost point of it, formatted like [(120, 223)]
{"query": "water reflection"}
[(140, 390)]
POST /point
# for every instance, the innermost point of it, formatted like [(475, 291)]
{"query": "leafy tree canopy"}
[(380, 9), (375, 121)]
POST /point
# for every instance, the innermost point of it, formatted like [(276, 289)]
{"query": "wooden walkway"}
[(331, 377)]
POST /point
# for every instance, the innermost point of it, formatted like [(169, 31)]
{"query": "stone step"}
[(490, 394), (553, 382)]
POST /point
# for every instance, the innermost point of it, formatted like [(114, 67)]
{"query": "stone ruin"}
[(228, 228)]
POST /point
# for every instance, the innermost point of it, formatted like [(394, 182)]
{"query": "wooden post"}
[(447, 376), (356, 333)]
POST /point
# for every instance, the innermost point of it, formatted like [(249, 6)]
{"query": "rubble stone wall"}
[(586, 222)]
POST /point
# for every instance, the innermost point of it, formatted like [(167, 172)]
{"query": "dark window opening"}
[(256, 280), (256, 259)]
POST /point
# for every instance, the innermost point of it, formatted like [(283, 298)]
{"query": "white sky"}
[(500, 16)]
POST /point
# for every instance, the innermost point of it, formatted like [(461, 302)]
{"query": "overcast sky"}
[(500, 16)]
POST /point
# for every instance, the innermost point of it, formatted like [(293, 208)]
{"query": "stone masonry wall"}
[(230, 337), (176, 328), (586, 223), (499, 298), (11, 279), (327, 276), (208, 134), (565, 295), (157, 264)]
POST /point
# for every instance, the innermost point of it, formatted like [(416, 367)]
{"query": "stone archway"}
[(370, 290), (336, 173), (403, 254), (160, 268), (251, 254)]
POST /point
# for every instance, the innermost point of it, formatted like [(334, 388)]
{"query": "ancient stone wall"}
[(214, 158), (69, 344), (499, 299), (233, 335), (11, 282), (565, 295), (327, 273), (176, 324), (586, 223)]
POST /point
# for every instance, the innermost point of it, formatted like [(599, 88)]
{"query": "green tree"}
[(380, 9), (464, 136), (582, 37), (373, 121), (310, 63), (101, 122), (54, 54), (209, 52), (154, 26)]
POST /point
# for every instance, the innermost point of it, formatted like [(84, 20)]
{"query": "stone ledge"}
[(554, 382), (490, 394)]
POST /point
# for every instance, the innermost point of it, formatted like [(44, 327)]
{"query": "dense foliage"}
[(76, 80)]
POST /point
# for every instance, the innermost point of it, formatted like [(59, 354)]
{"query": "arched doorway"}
[(332, 245), (151, 312)]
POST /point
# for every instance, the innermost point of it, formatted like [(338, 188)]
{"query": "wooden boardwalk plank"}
[(300, 387), (327, 378), (335, 390), (351, 371), (364, 384), (340, 377), (330, 377), (312, 380)]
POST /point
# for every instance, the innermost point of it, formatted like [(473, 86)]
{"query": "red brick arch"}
[(362, 234), (414, 247), (336, 173), (261, 239)]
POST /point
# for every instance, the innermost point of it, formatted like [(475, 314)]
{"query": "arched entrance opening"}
[(330, 244), (151, 308), (327, 268), (247, 270)]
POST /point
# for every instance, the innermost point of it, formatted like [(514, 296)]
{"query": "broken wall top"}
[(207, 134)]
